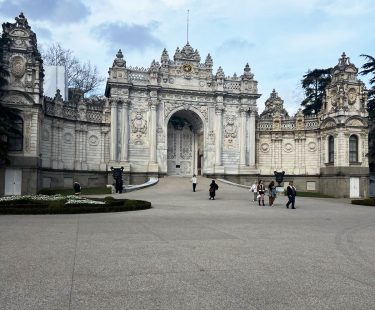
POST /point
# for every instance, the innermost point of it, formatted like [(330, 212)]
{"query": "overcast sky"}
[(280, 39)]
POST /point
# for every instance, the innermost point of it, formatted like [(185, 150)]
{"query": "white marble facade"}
[(179, 117)]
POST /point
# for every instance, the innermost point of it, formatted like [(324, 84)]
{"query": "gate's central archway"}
[(185, 143)]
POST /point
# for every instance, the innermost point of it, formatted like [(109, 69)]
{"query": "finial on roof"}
[(119, 60), (119, 54)]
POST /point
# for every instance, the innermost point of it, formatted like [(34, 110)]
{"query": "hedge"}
[(25, 206), (364, 202)]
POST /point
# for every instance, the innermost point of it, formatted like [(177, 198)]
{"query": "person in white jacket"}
[(194, 182), (253, 189)]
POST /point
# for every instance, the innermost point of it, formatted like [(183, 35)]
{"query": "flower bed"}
[(58, 204)]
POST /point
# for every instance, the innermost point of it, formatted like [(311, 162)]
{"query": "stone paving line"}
[(188, 252)]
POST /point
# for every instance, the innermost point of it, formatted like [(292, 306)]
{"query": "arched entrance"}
[(185, 144)]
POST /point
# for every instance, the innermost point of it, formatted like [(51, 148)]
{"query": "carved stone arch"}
[(186, 131), (18, 98), (328, 123), (354, 122), (183, 108)]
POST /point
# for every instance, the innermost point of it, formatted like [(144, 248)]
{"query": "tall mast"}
[(187, 28)]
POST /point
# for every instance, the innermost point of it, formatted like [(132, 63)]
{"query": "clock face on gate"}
[(187, 68)]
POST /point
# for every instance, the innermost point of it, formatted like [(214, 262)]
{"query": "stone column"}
[(243, 137), (103, 150), (219, 136), (252, 138), (153, 106), (125, 131), (84, 148), (113, 130)]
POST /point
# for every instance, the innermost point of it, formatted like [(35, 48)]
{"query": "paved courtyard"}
[(189, 252)]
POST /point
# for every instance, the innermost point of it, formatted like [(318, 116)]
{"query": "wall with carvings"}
[(129, 126)]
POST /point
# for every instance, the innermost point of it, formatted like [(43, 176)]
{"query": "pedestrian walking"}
[(194, 182), (253, 189), (77, 188), (260, 190), (212, 190), (271, 193), (292, 193)]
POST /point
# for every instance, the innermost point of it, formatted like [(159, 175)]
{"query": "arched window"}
[(353, 149), (15, 139), (331, 149)]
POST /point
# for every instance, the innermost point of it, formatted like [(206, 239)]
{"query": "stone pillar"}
[(219, 136), (113, 131), (195, 149), (125, 132), (80, 162), (243, 137), (103, 150), (56, 152), (84, 148), (153, 106), (252, 144)]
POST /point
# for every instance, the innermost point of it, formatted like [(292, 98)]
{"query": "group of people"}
[(211, 190), (259, 191)]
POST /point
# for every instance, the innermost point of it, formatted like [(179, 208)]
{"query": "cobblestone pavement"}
[(189, 252)]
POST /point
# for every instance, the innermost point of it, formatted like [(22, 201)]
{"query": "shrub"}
[(66, 205)]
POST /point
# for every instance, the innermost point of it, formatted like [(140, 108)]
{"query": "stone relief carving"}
[(211, 137), (16, 100), (45, 135), (138, 128), (18, 66), (354, 122), (288, 147), (311, 146), (93, 140), (68, 138), (160, 135), (264, 147), (230, 129), (329, 124), (28, 122)]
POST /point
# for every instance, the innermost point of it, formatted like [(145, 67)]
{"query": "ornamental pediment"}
[(328, 124), (354, 123)]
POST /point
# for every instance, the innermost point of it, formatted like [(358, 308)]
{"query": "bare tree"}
[(82, 76)]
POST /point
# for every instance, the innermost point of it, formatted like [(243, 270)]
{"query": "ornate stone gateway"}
[(180, 150), (184, 146)]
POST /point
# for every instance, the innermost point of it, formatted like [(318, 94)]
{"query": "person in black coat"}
[(77, 188), (213, 188), (292, 193)]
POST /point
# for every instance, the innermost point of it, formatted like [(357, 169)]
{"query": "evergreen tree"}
[(314, 83), (8, 115), (369, 68)]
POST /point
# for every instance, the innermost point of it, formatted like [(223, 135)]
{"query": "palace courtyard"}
[(188, 252)]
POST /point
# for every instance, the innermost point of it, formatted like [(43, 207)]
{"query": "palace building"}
[(179, 117)]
